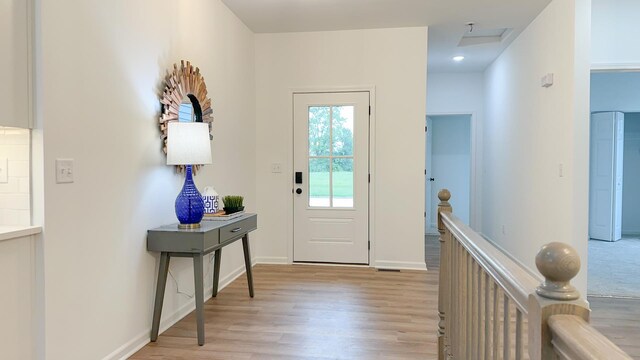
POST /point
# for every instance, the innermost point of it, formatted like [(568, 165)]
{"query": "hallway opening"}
[(614, 220), (447, 165)]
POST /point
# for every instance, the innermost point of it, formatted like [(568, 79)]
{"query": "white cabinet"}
[(15, 63)]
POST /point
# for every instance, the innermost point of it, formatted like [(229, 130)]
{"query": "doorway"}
[(331, 180), (448, 165), (614, 199)]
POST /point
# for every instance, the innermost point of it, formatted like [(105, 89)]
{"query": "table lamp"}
[(188, 144)]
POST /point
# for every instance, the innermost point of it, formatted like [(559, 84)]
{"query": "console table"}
[(195, 243)]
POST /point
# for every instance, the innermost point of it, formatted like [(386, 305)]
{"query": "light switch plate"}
[(276, 168), (64, 171), (4, 170), (547, 80)]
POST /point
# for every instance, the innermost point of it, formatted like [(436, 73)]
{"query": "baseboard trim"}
[(400, 265), (142, 339), (271, 260)]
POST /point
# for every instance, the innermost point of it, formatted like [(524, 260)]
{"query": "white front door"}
[(331, 164), (605, 207)]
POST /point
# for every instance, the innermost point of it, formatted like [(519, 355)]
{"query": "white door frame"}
[(608, 68), (629, 67), (474, 215), (372, 161)]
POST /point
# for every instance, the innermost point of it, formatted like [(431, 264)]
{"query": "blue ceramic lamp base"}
[(189, 203)]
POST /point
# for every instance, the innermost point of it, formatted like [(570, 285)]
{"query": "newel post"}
[(558, 263), (443, 287)]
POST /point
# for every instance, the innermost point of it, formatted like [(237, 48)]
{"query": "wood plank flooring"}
[(619, 320), (312, 312), (325, 312)]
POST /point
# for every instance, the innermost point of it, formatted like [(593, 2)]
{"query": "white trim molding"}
[(279, 260), (400, 265), (621, 67)]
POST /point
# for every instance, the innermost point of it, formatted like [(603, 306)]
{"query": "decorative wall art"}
[(184, 99)]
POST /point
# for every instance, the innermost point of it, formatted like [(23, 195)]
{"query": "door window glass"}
[(319, 186), (331, 156)]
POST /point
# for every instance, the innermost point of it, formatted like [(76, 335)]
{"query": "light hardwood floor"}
[(324, 312), (619, 320), (312, 312)]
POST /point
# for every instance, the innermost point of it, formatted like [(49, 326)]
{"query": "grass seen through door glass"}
[(342, 184)]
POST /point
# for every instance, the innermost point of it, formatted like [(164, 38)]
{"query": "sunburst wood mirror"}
[(184, 99)]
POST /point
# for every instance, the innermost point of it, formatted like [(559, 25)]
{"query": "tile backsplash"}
[(14, 177)]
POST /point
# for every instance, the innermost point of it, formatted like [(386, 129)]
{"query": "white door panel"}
[(331, 202), (430, 217), (605, 208), (617, 219)]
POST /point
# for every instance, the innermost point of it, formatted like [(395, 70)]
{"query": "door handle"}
[(298, 191), (432, 179)]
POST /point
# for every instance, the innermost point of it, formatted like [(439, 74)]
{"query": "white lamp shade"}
[(188, 143)]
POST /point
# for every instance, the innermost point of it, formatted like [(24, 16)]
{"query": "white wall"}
[(392, 60), (614, 41), (451, 162), (214, 39), (462, 93), (530, 131), (101, 66), (14, 194)]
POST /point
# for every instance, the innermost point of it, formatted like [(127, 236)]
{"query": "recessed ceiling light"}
[(458, 58)]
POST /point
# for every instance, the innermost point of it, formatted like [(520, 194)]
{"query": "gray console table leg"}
[(160, 287), (216, 271), (199, 292), (247, 262)]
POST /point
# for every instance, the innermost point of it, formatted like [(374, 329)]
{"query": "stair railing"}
[(491, 307)]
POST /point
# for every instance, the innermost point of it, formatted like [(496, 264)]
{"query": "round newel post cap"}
[(444, 195), (558, 263)]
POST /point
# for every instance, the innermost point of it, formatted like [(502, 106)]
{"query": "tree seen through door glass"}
[(331, 156), (342, 134), (319, 130)]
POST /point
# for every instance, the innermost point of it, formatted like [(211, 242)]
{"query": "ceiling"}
[(446, 19)]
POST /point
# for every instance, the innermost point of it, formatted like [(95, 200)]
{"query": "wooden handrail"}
[(574, 338), (486, 300), (517, 282)]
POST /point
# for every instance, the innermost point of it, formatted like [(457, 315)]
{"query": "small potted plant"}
[(232, 204)]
